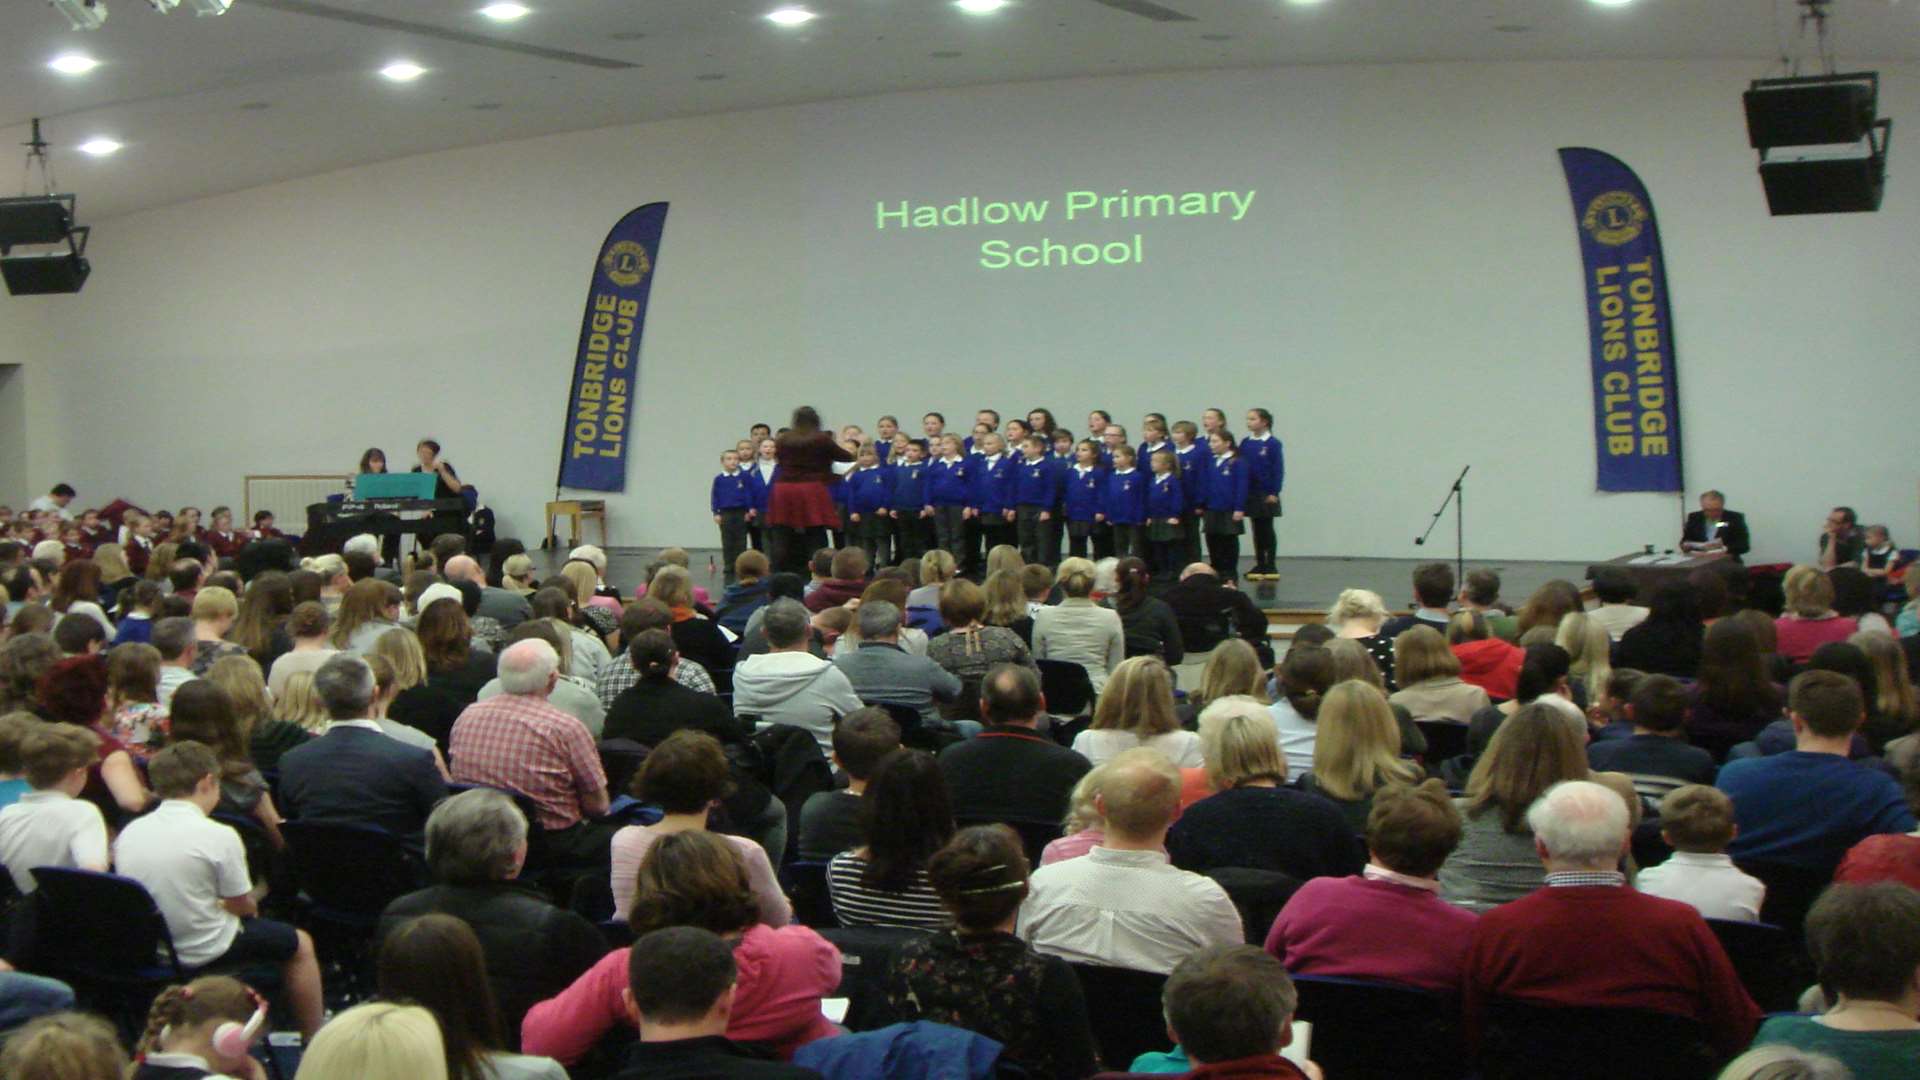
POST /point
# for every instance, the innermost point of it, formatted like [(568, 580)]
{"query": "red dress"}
[(800, 499)]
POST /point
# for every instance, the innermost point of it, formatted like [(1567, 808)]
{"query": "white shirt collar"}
[(364, 725), (1122, 472), (1262, 437), (1128, 856), (1376, 872)]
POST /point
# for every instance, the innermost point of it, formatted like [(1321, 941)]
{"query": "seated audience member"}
[(886, 586), (14, 728), (1010, 773), (135, 717), (1894, 712), (74, 691), (1668, 641), (1432, 592), (1804, 808), (205, 712), (1589, 652), (905, 817), (788, 684), (356, 774), (1697, 822), (592, 660), (214, 610), (1357, 754), (1487, 660), (1388, 922), (695, 879), (437, 963), (1233, 670), (1148, 625), (573, 696), (1607, 716), (1533, 750), (182, 1033), (618, 673), (1305, 676), (1809, 620), (476, 846), (1430, 684), (779, 587), (1123, 904), (1884, 856), (370, 608), (686, 776), (64, 1046), (51, 825), (970, 647), (747, 594), (141, 603), (1657, 755), (78, 635), (454, 664), (174, 637), (683, 993), (1865, 943), (830, 820), (504, 606), (1587, 940), (694, 634), (196, 870), (1256, 821), (1856, 596), (1359, 614), (1843, 658), (1136, 709), (980, 976), (377, 1041), (659, 705), (520, 742), (1617, 613), (1077, 630), (1734, 696), (881, 672), (1211, 611), (846, 579), (1230, 1008), (307, 626)]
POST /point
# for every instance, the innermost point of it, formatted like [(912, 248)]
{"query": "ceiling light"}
[(506, 12), (790, 16), (73, 63), (403, 71), (99, 146), (1613, 3), (1303, 3), (980, 7)]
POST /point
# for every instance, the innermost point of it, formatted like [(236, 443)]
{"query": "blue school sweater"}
[(1194, 461), (1164, 497), (947, 481), (761, 489), (1227, 480), (1084, 490), (908, 486), (1125, 500), (731, 491), (1144, 455), (1037, 482), (990, 485), (1266, 462), (867, 490)]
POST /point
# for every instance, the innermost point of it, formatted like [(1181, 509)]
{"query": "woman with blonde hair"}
[(1809, 620), (970, 648), (1136, 709), (1591, 650), (1233, 670), (1076, 629), (516, 574), (1534, 749), (1359, 614), (377, 1041), (1358, 751), (214, 610), (369, 609), (1004, 557), (1255, 820), (164, 555), (301, 707), (1894, 712), (307, 628), (1006, 603), (1083, 829), (115, 574), (937, 567), (1430, 683), (335, 583), (411, 702)]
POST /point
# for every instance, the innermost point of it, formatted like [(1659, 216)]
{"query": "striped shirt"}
[(620, 675), (857, 905)]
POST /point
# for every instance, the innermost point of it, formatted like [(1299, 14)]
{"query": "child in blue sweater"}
[(732, 503), (1226, 505), (1166, 515), (990, 496), (947, 495), (908, 508), (1124, 506), (1194, 459), (1083, 487), (867, 498), (1037, 487)]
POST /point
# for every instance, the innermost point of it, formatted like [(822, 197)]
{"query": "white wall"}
[(1405, 295)]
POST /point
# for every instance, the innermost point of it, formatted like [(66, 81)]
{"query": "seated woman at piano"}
[(374, 460)]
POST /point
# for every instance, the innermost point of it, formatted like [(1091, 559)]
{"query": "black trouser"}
[(756, 537), (1163, 556), (972, 533), (1056, 529), (1196, 525), (1223, 551), (733, 539), (790, 549), (1102, 541), (909, 534), (1032, 533), (1266, 548), (871, 532), (950, 530), (995, 530), (1077, 546), (1129, 540)]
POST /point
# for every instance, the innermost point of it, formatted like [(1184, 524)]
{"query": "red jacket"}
[(834, 592), (1492, 665)]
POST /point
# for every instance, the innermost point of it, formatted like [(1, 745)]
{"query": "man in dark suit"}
[(357, 774), (1713, 527), (1010, 773)]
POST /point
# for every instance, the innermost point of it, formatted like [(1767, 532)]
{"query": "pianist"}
[(446, 485), (1714, 528)]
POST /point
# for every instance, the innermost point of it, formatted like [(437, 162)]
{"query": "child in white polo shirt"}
[(49, 825), (1697, 821)]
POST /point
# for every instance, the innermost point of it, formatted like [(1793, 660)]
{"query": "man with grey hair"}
[(476, 846), (519, 741), (788, 684), (883, 673), (1587, 940), (504, 606), (356, 773)]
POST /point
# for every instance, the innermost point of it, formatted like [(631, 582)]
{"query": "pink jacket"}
[(784, 973)]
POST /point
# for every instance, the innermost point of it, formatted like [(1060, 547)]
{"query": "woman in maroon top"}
[(800, 507)]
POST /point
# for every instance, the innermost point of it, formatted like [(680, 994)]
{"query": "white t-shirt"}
[(46, 503), (51, 828), (1710, 882), (289, 664), (189, 863), (171, 679), (1181, 747), (1296, 737)]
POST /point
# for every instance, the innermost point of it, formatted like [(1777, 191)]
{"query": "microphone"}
[(1419, 540)]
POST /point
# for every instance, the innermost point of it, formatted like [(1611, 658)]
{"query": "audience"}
[(658, 704), (74, 691), (1668, 640), (1388, 922), (1894, 712), (476, 847), (1615, 588), (683, 993), (1232, 670), (905, 817), (1487, 660), (1123, 904), (1147, 624), (1809, 620), (1697, 822), (1533, 750), (969, 648), (1359, 614), (1230, 1007), (1009, 772), (1430, 684), (883, 673), (980, 975), (1865, 943), (1657, 756), (356, 774), (182, 1034), (214, 611), (1078, 630), (51, 825), (830, 820), (788, 684), (1305, 676), (1211, 611), (1733, 696), (204, 712), (1432, 592), (436, 962), (1136, 709), (1357, 754), (377, 1041), (1587, 940)]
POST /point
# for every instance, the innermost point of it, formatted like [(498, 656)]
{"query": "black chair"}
[(103, 935), (348, 874), (1592, 1044), (1791, 891), (621, 759), (1258, 894), (866, 955), (1124, 1007), (1445, 739), (1034, 835), (1068, 687), (1772, 969), (807, 887), (1350, 1015)]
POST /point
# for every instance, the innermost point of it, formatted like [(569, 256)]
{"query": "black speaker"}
[(1851, 185), (39, 275), (1810, 111), (35, 219)]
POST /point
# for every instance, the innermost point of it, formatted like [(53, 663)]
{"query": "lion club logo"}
[(1614, 218), (626, 263)]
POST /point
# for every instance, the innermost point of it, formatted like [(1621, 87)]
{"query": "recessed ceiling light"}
[(98, 146), (73, 63), (1303, 3), (979, 7), (506, 11), (1613, 3), (403, 71), (790, 16)]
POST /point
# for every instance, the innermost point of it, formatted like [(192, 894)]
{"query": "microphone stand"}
[(1456, 495)]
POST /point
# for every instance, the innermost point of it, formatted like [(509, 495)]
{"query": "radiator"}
[(287, 497)]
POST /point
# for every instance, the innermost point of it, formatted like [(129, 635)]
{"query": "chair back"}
[(1445, 739), (1124, 1008), (1791, 891), (350, 872), (1034, 835), (1349, 1015), (906, 716), (866, 956), (1068, 687), (98, 927), (1593, 1044), (807, 885), (621, 759), (1770, 967), (1258, 894)]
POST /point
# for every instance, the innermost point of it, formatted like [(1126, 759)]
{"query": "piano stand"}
[(574, 510)]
